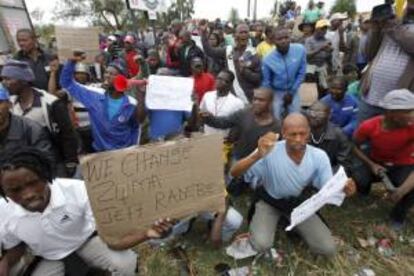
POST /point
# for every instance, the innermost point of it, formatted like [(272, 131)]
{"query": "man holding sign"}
[(53, 218), (284, 169), (169, 104)]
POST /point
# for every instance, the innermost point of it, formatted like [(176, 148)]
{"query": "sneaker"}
[(241, 249)]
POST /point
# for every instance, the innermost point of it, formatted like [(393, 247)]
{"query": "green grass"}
[(356, 218)]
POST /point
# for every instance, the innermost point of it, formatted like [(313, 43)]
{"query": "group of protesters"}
[(248, 80)]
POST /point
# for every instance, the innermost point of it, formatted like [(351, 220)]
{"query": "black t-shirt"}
[(245, 131)]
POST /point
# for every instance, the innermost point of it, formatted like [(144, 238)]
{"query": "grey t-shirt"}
[(320, 58)]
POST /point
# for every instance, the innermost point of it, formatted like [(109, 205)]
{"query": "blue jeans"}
[(366, 111), (278, 104)]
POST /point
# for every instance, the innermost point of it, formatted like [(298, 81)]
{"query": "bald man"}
[(241, 59), (283, 170)]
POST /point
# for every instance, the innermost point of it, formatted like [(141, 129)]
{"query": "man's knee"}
[(231, 224), (233, 219), (261, 243), (123, 262)]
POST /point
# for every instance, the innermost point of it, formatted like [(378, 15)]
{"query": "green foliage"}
[(234, 17), (110, 14), (275, 9), (45, 32), (113, 14), (181, 9), (348, 6)]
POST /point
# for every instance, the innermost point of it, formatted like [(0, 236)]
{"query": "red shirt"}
[(204, 83), (132, 66), (394, 146)]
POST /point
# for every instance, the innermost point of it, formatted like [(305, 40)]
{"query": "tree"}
[(110, 14), (234, 16), (348, 6), (113, 15), (45, 32), (275, 10), (180, 9)]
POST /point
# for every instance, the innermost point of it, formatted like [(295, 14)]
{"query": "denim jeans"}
[(278, 108)]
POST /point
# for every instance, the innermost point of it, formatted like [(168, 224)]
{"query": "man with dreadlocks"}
[(54, 219)]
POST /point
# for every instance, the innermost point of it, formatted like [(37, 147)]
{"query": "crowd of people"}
[(248, 80)]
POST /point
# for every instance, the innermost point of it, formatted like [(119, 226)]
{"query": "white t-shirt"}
[(62, 228), (4, 217), (219, 106), (333, 36)]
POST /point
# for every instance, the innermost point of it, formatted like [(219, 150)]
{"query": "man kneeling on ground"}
[(284, 169), (53, 218)]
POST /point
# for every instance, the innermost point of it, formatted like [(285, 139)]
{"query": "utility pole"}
[(255, 10), (248, 9)]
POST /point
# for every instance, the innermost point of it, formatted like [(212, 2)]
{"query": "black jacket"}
[(23, 132), (39, 67), (249, 77), (58, 122), (186, 54)]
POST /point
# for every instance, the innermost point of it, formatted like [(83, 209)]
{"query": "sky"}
[(210, 9)]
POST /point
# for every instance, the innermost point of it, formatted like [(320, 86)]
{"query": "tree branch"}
[(102, 14)]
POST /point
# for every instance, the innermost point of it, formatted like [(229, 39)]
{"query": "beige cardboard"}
[(308, 93), (131, 188), (69, 39)]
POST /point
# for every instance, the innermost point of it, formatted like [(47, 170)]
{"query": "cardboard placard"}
[(69, 39), (169, 93), (131, 188)]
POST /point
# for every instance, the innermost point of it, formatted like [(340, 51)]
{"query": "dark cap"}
[(303, 24), (382, 12)]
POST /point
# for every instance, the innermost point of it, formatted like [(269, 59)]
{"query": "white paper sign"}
[(331, 193), (149, 5), (169, 93), (152, 15)]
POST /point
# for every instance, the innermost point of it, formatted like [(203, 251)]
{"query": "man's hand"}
[(287, 99), (266, 143), (160, 228), (376, 168), (54, 66), (78, 56), (350, 187)]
